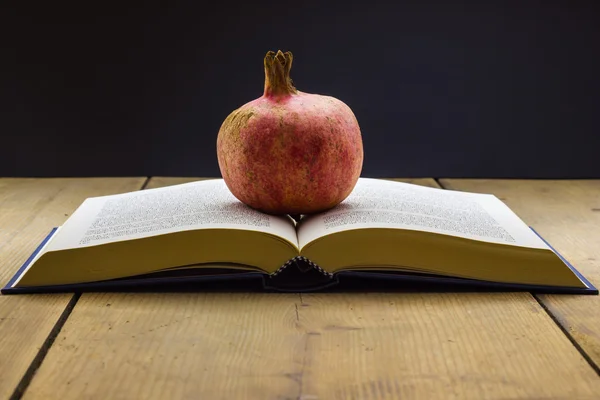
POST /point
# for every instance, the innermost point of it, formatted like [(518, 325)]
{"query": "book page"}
[(378, 203), (196, 205)]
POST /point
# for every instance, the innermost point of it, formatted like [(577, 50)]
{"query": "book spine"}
[(295, 260)]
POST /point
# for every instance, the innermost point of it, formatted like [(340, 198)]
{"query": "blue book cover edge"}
[(567, 263), (29, 260)]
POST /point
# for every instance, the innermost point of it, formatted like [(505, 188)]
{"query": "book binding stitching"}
[(306, 260)]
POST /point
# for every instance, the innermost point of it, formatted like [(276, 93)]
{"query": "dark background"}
[(440, 89)]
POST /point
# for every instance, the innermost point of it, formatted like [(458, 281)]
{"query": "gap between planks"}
[(580, 349), (554, 318), (54, 332), (39, 358)]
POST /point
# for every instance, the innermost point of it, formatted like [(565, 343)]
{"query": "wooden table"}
[(310, 346)]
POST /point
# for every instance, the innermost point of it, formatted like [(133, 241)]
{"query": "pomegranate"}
[(289, 152)]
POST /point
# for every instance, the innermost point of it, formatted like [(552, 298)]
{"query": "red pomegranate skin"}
[(290, 152)]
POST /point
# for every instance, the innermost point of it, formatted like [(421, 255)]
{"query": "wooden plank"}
[(567, 215), (29, 209), (179, 346), (438, 346), (317, 346)]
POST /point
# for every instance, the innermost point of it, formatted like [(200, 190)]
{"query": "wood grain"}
[(567, 215), (179, 346), (438, 346), (318, 346), (29, 209)]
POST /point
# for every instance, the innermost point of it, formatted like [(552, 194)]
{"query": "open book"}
[(385, 232)]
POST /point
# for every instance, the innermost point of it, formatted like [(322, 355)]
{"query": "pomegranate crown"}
[(277, 74)]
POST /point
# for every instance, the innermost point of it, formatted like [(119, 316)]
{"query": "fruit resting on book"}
[(290, 152)]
